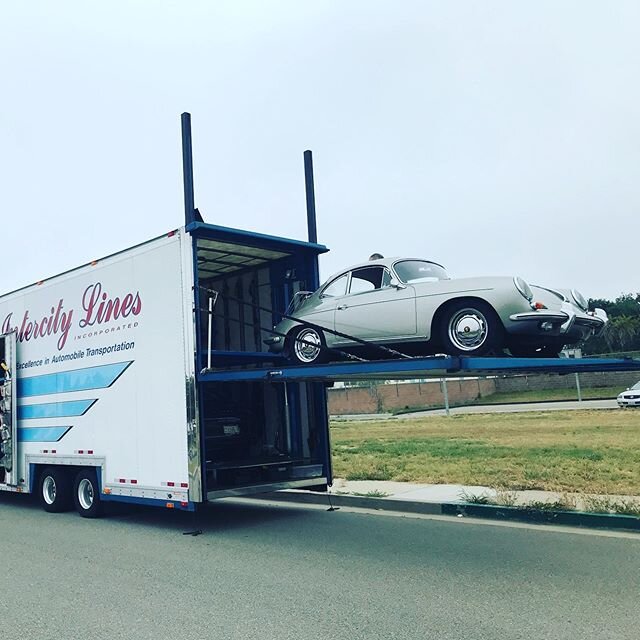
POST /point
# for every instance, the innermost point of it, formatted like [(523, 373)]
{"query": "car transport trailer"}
[(144, 376), (100, 399)]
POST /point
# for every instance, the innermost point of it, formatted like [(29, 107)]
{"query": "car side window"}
[(369, 279), (336, 288)]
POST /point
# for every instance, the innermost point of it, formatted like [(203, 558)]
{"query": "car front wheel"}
[(470, 328)]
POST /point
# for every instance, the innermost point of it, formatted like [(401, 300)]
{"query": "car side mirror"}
[(396, 284)]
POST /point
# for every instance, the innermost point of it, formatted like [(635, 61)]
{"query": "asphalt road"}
[(279, 572)]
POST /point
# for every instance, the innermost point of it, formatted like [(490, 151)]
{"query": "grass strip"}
[(594, 452)]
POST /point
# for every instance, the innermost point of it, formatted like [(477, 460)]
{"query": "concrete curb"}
[(542, 516), (538, 516), (486, 405), (360, 502)]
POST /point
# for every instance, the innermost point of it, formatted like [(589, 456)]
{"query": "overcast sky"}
[(493, 137)]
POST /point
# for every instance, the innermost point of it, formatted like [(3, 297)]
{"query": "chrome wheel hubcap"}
[(49, 490), (308, 350), (468, 329), (85, 494)]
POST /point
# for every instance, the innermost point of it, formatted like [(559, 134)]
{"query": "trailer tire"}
[(54, 490), (86, 494)]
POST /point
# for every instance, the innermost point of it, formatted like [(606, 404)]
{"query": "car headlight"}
[(523, 288), (579, 299)]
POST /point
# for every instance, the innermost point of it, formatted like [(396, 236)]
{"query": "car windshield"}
[(636, 386), (410, 271), (296, 301)]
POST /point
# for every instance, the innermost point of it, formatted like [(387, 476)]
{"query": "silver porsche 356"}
[(413, 306)]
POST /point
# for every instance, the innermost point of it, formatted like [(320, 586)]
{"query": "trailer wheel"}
[(55, 490), (86, 494)]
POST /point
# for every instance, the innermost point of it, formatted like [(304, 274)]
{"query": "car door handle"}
[(342, 306)]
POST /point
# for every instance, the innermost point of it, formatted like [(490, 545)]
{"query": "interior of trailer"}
[(256, 432), (7, 428)]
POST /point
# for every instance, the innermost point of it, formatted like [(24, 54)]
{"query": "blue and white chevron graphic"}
[(87, 379), (41, 434)]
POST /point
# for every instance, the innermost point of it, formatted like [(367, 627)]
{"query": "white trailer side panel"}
[(103, 355)]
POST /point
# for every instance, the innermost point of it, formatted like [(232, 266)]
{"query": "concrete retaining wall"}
[(388, 397)]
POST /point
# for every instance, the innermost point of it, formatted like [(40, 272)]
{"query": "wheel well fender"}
[(441, 312), (71, 470)]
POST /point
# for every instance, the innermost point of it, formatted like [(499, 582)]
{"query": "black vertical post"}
[(187, 169), (311, 197)]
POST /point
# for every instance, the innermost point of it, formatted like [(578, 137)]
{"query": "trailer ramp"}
[(438, 366)]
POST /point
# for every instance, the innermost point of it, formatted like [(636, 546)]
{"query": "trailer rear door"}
[(8, 421)]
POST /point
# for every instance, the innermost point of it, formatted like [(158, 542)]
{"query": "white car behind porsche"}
[(630, 397)]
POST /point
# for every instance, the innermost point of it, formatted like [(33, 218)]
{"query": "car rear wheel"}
[(306, 346), (470, 328)]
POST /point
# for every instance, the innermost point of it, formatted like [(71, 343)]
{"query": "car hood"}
[(629, 392), (551, 298), (458, 285)]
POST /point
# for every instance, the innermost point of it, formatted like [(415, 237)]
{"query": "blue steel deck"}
[(426, 367)]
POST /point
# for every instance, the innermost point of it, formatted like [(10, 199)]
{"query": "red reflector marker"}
[(171, 484), (184, 485), (134, 482)]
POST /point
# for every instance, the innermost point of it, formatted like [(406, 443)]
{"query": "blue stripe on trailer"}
[(99, 377), (41, 434), (151, 502), (55, 409)]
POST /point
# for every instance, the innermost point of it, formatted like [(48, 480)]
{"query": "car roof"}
[(382, 262)]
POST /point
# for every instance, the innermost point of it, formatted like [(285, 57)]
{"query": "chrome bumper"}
[(275, 343), (594, 321), (540, 316), (601, 316)]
